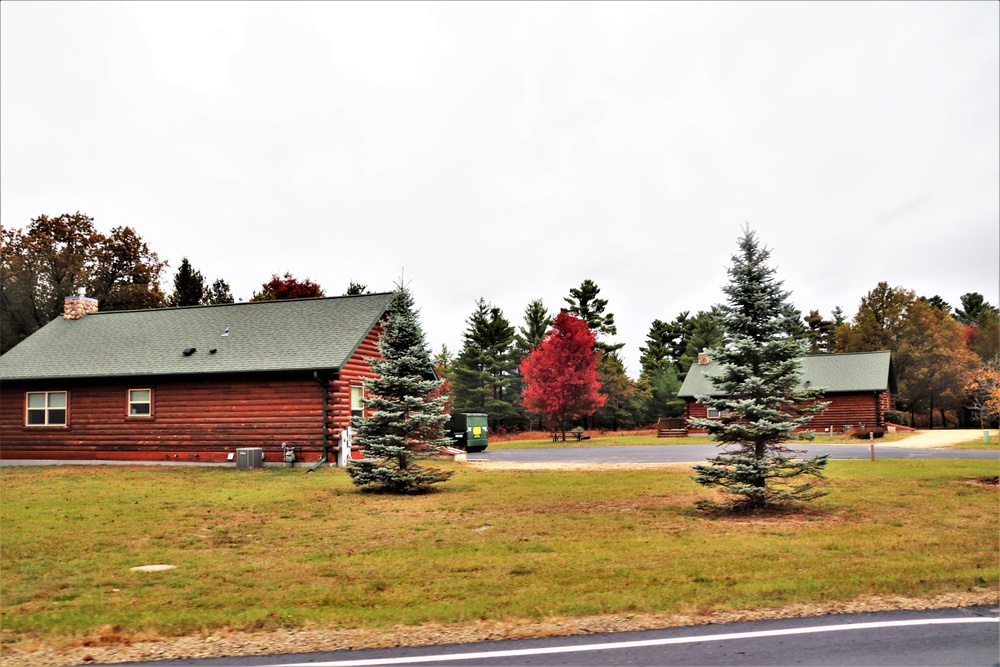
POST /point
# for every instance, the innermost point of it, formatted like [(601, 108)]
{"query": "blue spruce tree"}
[(758, 393), (407, 419)]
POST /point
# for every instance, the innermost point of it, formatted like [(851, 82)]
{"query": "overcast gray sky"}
[(510, 151)]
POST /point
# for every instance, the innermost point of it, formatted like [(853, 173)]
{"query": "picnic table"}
[(579, 435)]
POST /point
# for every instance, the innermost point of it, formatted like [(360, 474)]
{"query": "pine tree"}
[(537, 322), (662, 400), (583, 303), (218, 293), (838, 316), (484, 369), (654, 356), (974, 307), (408, 411), (189, 286), (937, 302), (820, 333), (982, 322), (623, 404), (700, 333), (758, 391)]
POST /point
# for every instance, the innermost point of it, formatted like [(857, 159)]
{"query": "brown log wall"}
[(193, 420), (852, 409)]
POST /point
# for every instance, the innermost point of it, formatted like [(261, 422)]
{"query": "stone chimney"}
[(78, 305), (703, 359)]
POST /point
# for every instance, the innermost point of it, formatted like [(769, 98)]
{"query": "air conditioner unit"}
[(249, 457)]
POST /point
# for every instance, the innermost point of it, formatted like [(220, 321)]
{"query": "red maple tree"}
[(287, 287), (560, 375)]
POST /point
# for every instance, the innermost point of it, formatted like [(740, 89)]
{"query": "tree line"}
[(54, 256), (940, 355), (943, 356)]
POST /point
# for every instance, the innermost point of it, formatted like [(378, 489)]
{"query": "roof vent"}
[(188, 351), (213, 350), (226, 332)]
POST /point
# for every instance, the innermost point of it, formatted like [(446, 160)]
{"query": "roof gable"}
[(834, 373), (265, 336)]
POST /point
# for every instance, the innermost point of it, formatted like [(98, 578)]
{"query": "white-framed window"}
[(357, 407), (45, 408), (140, 403), (714, 413)]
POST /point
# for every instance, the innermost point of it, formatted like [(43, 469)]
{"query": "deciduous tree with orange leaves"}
[(984, 391), (560, 375)]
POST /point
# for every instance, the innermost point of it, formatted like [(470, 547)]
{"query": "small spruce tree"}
[(408, 409), (758, 392)]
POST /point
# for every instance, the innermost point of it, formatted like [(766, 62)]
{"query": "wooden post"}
[(871, 439)]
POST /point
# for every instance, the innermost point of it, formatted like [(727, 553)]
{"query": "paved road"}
[(698, 453), (966, 636)]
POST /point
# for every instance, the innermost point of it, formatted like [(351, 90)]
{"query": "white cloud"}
[(193, 47)]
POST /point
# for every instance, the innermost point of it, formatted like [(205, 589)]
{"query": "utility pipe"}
[(326, 431)]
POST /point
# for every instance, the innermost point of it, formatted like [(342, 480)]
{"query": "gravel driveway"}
[(944, 437)]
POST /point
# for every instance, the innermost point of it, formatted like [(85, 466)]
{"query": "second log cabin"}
[(859, 388)]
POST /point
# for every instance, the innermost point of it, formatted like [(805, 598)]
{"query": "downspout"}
[(326, 430), (878, 410)]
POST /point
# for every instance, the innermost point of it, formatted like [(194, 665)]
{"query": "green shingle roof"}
[(303, 334), (860, 371)]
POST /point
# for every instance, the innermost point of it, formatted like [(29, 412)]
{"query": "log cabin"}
[(190, 384), (858, 387)]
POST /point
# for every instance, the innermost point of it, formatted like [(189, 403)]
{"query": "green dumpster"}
[(469, 430)]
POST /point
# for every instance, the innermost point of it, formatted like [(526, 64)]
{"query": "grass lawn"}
[(273, 548), (978, 443)]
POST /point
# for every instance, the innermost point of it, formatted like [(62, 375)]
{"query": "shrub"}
[(863, 433), (897, 417)]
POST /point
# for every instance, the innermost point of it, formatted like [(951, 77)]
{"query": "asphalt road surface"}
[(969, 636), (698, 453)]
